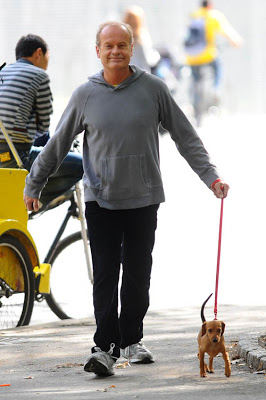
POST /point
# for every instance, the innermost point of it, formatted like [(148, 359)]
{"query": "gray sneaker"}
[(137, 353), (100, 362)]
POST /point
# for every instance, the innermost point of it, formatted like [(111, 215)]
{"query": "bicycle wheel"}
[(71, 289), (16, 283)]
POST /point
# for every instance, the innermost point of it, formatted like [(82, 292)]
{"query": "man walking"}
[(120, 109)]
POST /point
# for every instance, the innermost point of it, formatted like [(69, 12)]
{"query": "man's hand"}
[(220, 189), (31, 204)]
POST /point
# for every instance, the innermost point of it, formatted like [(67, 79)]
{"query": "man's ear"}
[(37, 53), (132, 48), (203, 329), (36, 57), (98, 52)]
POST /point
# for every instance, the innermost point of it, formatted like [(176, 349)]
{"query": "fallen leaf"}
[(123, 365), (260, 367), (28, 377)]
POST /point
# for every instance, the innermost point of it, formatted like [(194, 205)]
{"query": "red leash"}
[(218, 259)]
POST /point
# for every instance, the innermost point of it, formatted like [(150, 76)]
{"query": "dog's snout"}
[(215, 340)]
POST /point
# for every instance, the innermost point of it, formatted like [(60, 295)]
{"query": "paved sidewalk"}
[(46, 361)]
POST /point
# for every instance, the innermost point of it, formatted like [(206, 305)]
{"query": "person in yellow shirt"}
[(200, 43)]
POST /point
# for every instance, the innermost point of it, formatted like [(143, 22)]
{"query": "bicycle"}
[(203, 96), (68, 290), (23, 279)]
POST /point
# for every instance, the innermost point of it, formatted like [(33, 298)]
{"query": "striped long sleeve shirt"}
[(25, 101)]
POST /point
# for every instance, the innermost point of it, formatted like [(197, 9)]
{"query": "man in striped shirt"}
[(25, 109)]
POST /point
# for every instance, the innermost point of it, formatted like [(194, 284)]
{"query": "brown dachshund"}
[(211, 341)]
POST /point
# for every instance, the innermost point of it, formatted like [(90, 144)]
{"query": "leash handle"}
[(218, 259)]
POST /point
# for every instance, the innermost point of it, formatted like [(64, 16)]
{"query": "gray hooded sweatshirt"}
[(121, 143)]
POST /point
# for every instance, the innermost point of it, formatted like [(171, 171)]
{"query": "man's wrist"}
[(216, 181)]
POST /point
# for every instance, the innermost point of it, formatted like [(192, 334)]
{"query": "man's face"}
[(115, 49)]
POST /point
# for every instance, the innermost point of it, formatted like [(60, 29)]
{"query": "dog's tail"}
[(202, 308)]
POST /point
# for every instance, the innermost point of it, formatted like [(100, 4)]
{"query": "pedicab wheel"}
[(70, 288), (16, 283)]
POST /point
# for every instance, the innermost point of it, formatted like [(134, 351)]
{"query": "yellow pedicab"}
[(22, 276)]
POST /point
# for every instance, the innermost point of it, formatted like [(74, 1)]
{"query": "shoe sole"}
[(97, 368), (145, 360)]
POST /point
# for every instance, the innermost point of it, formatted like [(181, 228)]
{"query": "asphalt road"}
[(46, 361)]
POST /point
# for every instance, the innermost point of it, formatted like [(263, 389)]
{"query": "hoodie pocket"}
[(124, 177)]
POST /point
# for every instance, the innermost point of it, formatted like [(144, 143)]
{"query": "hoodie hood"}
[(137, 73)]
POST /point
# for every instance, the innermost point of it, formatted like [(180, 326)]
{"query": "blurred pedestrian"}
[(144, 55), (119, 110), (201, 50)]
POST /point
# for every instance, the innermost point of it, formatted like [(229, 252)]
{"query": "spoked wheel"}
[(16, 283), (71, 288)]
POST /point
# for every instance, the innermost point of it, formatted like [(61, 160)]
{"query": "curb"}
[(249, 349)]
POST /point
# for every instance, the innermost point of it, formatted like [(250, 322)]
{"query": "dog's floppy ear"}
[(223, 328), (203, 329)]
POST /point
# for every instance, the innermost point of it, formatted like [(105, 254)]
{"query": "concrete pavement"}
[(46, 360)]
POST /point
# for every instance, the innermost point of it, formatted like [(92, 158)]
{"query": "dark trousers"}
[(127, 237)]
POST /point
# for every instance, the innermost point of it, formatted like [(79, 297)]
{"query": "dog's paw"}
[(209, 370), (203, 371), (227, 370), (227, 373)]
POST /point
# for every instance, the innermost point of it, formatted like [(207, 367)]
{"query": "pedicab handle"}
[(11, 145)]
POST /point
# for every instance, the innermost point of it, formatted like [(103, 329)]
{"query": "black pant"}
[(127, 237)]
